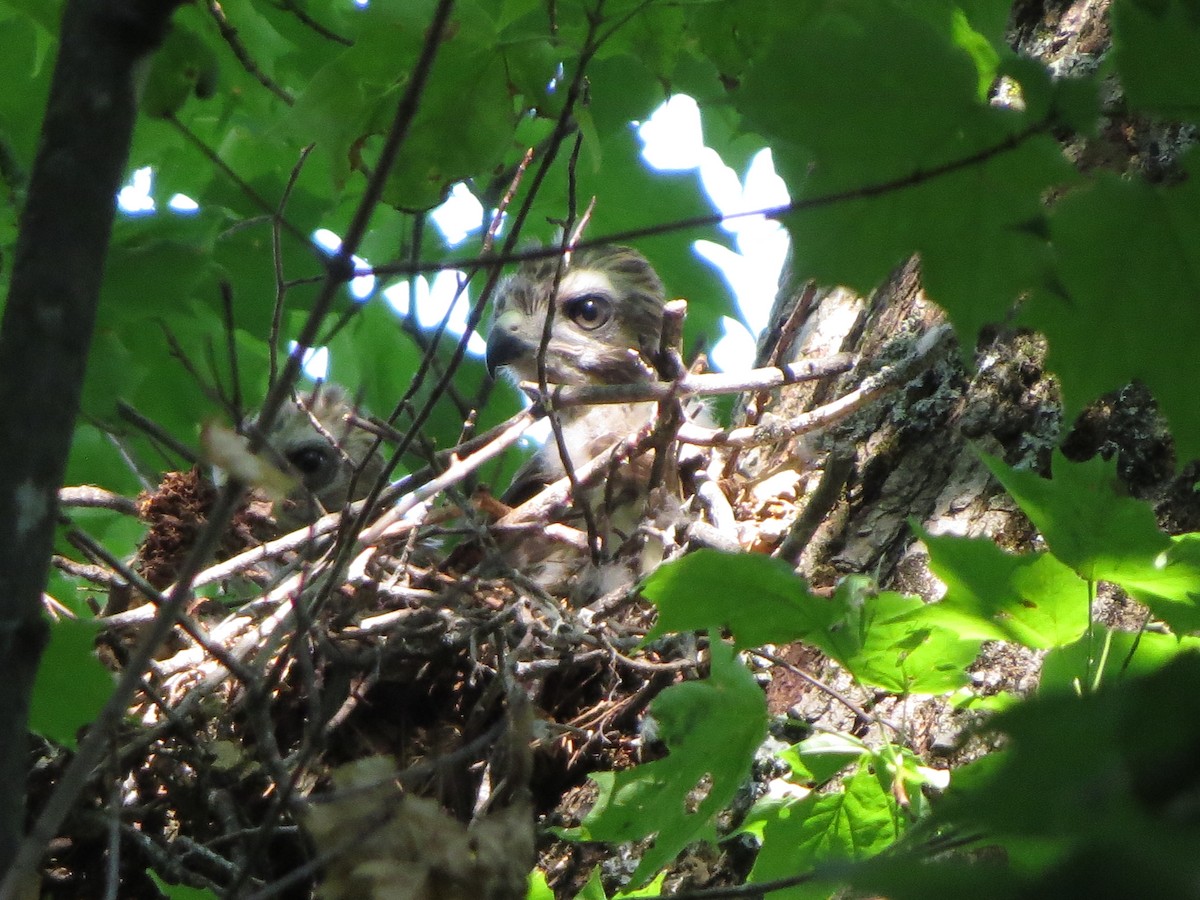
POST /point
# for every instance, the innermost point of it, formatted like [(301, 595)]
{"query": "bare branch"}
[(872, 388), (89, 497), (563, 396)]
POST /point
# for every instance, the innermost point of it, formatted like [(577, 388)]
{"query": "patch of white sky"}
[(673, 141)]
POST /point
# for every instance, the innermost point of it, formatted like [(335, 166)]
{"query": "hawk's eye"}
[(589, 312), (315, 463)]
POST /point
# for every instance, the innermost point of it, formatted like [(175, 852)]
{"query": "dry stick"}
[(670, 365), (563, 396), (782, 344), (86, 542), (235, 379), (556, 429), (89, 497), (538, 507), (873, 387), (87, 571), (456, 471)]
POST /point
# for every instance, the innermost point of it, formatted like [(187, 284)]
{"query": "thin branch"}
[(156, 432), (235, 379), (458, 470), (89, 497), (824, 688), (916, 178), (85, 542), (323, 30), (708, 385), (538, 507), (247, 191), (871, 389), (278, 221), (230, 35)]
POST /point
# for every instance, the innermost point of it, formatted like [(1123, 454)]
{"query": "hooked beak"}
[(504, 344)]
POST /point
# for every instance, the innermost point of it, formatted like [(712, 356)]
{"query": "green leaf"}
[(1092, 772), (733, 34), (759, 600), (1032, 599), (185, 64), (27, 79), (1086, 519), (1131, 315), (1106, 536), (180, 891), (817, 759), (1156, 46), (712, 729), (653, 888), (143, 248), (918, 107), (71, 685), (1128, 654), (538, 888), (856, 822), (879, 644)]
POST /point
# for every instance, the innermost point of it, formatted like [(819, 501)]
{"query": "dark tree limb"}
[(47, 330)]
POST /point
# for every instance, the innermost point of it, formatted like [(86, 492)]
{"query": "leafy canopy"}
[(880, 117)]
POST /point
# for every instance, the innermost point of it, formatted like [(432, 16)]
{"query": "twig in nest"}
[(539, 507), (708, 385), (90, 497), (456, 471), (872, 388)]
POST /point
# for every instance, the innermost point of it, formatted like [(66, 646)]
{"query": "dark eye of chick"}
[(589, 312), (314, 463)]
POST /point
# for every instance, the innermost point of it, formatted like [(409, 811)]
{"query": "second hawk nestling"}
[(607, 310)]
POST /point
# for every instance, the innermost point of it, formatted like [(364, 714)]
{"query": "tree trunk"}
[(47, 329)]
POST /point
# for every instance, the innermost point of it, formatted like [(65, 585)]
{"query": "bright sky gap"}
[(673, 141)]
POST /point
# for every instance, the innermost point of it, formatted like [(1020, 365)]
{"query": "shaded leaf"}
[(712, 729), (1032, 599)]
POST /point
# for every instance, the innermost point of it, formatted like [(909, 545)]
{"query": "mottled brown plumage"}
[(607, 321), (608, 308), (316, 439)]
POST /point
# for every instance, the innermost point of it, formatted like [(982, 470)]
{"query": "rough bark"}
[(47, 329), (914, 457)]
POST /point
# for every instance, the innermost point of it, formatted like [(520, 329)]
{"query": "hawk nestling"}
[(315, 437), (607, 322)]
